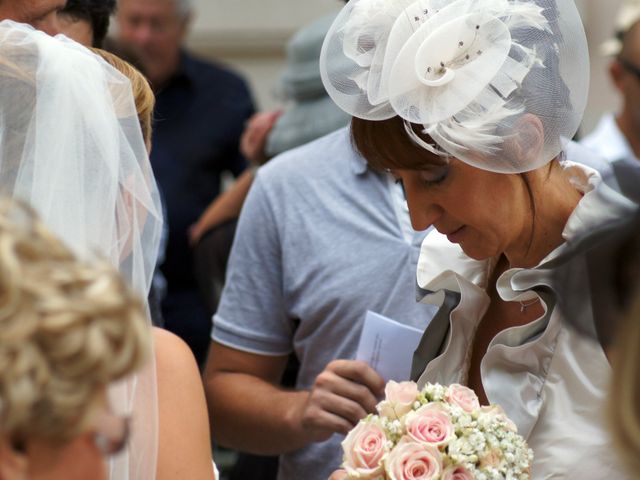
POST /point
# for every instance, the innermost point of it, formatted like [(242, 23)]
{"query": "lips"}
[(456, 235)]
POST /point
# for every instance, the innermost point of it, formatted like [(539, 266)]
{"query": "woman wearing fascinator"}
[(471, 105), (72, 147)]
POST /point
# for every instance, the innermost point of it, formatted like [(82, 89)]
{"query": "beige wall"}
[(250, 35)]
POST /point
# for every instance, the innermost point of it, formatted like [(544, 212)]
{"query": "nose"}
[(422, 211), (141, 35)]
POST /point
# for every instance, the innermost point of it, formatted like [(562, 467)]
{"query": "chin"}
[(478, 253)]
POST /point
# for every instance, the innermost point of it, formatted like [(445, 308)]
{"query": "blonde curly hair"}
[(67, 329)]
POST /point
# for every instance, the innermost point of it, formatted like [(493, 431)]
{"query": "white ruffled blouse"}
[(550, 381)]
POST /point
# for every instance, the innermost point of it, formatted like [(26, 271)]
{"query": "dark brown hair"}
[(385, 144)]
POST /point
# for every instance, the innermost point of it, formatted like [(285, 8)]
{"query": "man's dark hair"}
[(96, 12)]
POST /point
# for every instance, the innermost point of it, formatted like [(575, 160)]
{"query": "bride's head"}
[(67, 329)]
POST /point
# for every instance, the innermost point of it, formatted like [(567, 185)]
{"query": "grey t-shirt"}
[(319, 242)]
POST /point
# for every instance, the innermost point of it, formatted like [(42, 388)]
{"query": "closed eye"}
[(434, 177)]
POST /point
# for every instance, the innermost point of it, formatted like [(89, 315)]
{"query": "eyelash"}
[(401, 183), (438, 180), (427, 183)]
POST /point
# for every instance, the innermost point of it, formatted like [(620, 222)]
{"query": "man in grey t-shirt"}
[(321, 240)]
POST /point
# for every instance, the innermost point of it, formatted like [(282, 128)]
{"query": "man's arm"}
[(249, 411), (225, 207)]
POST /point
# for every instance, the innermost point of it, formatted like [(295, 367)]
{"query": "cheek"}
[(489, 227), (84, 461), (78, 460), (481, 245)]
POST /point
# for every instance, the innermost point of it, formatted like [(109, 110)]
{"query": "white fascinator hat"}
[(470, 73), (71, 146)]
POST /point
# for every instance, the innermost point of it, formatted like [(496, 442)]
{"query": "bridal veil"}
[(71, 147)]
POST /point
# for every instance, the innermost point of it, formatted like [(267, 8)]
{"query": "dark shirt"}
[(199, 117)]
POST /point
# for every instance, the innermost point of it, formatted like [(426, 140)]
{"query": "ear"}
[(616, 72), (529, 139), (13, 464)]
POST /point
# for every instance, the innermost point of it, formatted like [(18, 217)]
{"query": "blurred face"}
[(486, 213), (626, 74), (42, 14), (78, 30), (155, 30), (80, 459)]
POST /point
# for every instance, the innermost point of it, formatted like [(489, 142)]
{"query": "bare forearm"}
[(252, 415), (229, 204)]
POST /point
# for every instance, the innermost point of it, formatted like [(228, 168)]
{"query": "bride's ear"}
[(528, 139), (13, 463)]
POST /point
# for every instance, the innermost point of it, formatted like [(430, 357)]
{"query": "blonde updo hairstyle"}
[(68, 328)]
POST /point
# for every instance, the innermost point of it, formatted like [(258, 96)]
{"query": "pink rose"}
[(364, 449), (399, 399), (412, 461), (430, 425), (463, 397), (456, 473)]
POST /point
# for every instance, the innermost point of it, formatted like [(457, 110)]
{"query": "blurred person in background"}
[(617, 137), (41, 14), (200, 114), (86, 21), (68, 328)]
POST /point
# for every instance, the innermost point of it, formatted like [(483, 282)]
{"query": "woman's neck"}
[(555, 200)]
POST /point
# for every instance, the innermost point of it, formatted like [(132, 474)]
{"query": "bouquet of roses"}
[(439, 433)]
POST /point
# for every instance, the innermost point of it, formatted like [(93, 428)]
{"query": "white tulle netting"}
[(468, 71), (71, 147)]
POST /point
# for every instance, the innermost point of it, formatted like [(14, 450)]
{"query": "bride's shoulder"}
[(171, 352), (184, 445)]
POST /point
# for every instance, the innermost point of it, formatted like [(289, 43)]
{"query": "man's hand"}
[(344, 393), (254, 137), (244, 394)]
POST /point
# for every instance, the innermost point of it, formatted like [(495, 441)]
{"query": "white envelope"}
[(388, 346)]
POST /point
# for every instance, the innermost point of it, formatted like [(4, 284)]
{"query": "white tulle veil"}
[(71, 146)]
